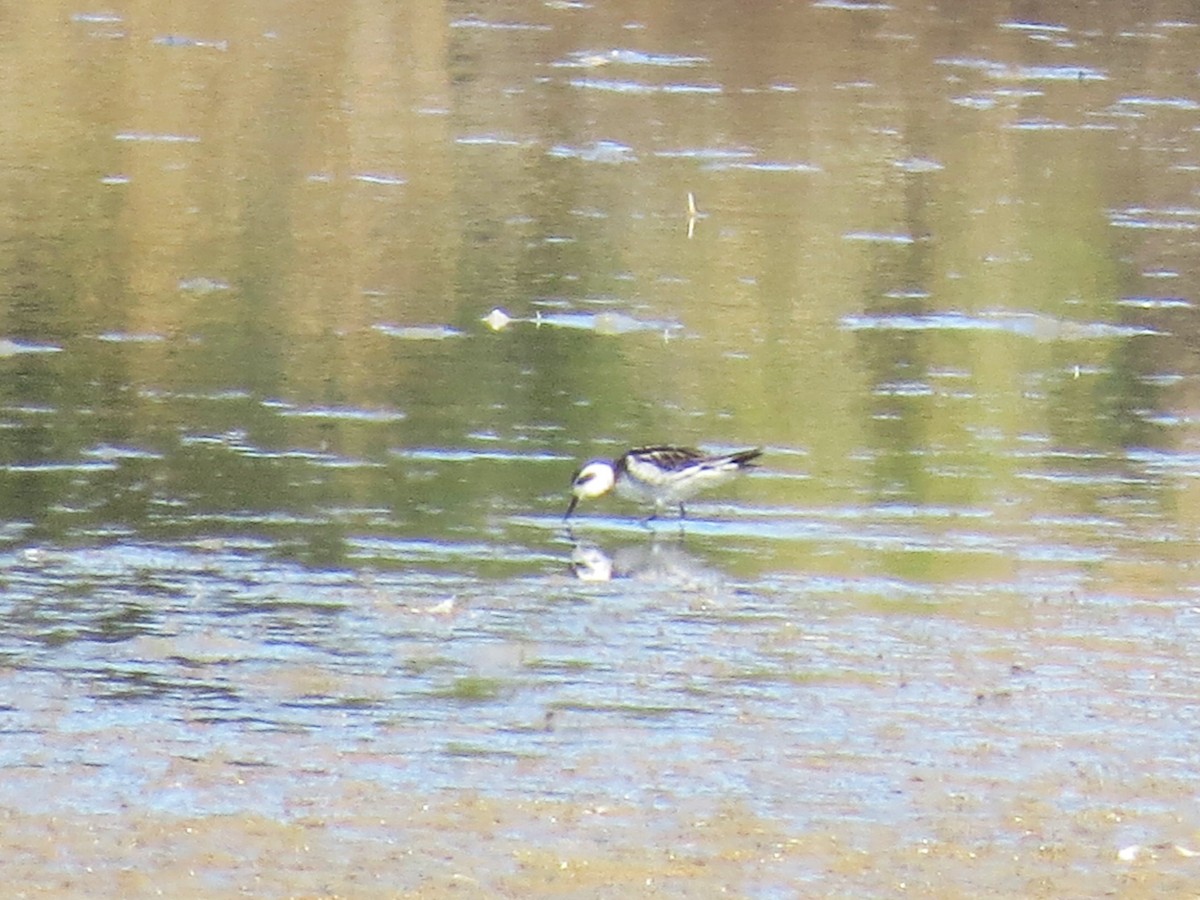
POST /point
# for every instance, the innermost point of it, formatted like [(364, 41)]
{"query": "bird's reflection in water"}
[(656, 561)]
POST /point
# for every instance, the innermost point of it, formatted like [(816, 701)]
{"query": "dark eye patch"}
[(584, 478)]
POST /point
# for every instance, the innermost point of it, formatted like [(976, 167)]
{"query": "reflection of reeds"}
[(269, 236)]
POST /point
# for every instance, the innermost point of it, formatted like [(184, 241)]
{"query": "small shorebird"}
[(658, 475)]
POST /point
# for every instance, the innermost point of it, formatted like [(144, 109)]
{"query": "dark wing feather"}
[(674, 459), (670, 459)]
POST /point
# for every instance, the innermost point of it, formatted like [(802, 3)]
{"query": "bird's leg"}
[(682, 512)]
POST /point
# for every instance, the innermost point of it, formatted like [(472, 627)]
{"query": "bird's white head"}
[(593, 480)]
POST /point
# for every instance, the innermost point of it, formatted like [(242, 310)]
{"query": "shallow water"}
[(309, 314)]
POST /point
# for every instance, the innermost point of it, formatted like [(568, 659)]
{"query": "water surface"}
[(309, 314)]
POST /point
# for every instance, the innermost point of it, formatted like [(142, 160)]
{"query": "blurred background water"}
[(308, 312)]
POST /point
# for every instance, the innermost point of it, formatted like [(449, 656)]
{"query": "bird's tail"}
[(745, 458)]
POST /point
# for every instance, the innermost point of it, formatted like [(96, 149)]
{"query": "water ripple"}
[(609, 152), (587, 59), (1031, 325), (638, 87), (10, 347)]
